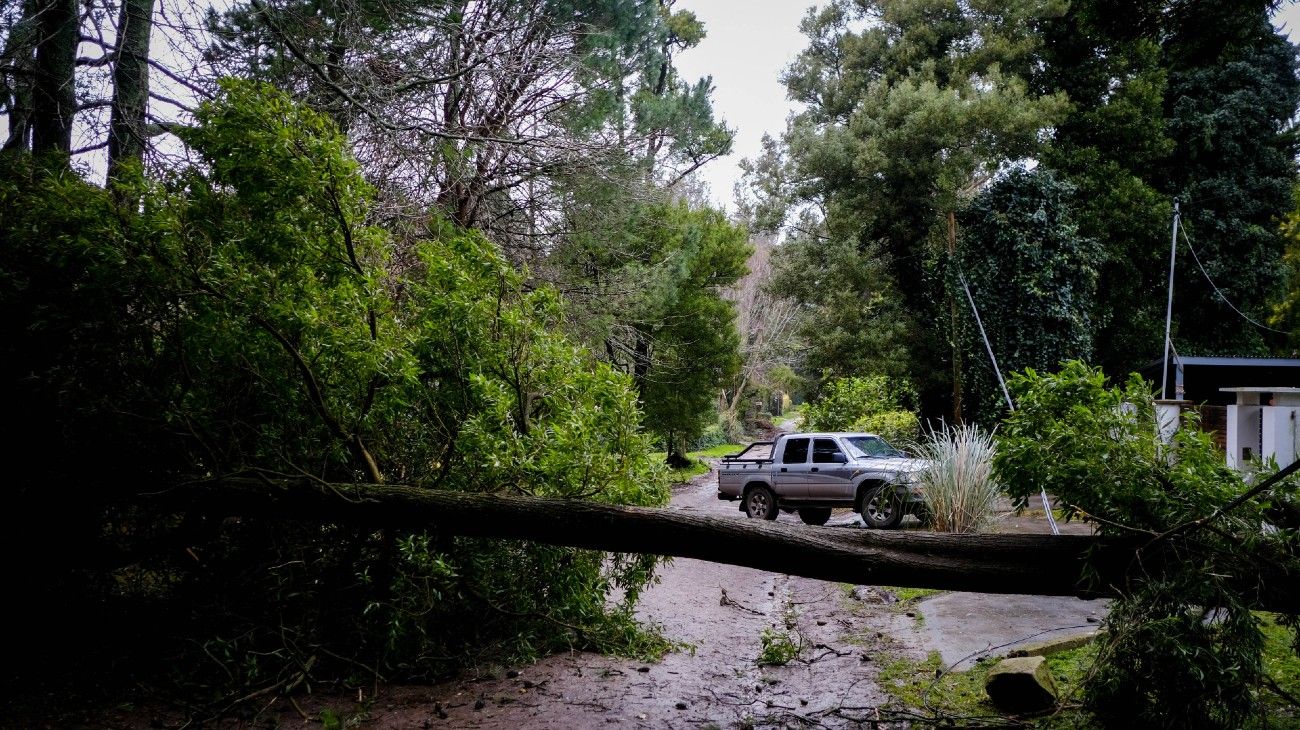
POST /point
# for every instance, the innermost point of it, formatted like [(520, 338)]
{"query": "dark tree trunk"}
[(54, 95), (676, 458), (1033, 564), (127, 134), (20, 54)]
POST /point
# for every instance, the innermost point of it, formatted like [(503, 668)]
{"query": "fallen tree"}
[(1025, 564)]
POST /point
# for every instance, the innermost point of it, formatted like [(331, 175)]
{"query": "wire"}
[(1047, 506), (1222, 297)]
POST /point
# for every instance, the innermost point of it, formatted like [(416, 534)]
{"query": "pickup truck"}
[(811, 473)]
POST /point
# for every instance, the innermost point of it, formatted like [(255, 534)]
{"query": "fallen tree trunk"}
[(1026, 564)]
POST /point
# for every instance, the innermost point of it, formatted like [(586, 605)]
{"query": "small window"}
[(825, 451), (796, 452)]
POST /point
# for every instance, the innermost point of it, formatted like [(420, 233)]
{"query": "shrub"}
[(874, 404), (960, 489), (713, 436)]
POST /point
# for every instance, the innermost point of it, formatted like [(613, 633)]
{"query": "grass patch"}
[(697, 467), (791, 413), (960, 695), (716, 452), (911, 595)]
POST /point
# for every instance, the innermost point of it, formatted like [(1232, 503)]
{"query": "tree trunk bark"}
[(54, 98), (126, 127), (1023, 564), (676, 456), (20, 54)]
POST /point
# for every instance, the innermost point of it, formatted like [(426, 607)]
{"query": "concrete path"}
[(964, 626)]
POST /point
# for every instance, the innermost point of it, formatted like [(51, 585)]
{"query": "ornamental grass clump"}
[(959, 486)]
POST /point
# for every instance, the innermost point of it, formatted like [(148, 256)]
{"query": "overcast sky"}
[(749, 42)]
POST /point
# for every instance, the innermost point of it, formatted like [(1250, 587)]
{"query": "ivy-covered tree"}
[(1033, 278)]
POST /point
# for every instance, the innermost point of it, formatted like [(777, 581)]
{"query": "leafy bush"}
[(713, 436), (731, 427), (1183, 648), (959, 485), (778, 648), (874, 404)]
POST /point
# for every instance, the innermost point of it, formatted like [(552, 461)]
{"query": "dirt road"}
[(722, 612)]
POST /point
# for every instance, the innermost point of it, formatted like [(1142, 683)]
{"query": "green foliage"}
[(1169, 99), (857, 324), (958, 482), (1033, 278), (1183, 648), (912, 109), (778, 648), (1286, 311), (712, 436), (1231, 101), (241, 317), (909, 108), (647, 291), (875, 404)]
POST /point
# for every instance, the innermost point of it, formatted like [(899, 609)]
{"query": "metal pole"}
[(975, 310), (1169, 308)]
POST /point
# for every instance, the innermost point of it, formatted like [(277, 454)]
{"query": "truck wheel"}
[(815, 515), (760, 503), (881, 508)]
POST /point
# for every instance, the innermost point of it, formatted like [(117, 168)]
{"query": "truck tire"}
[(881, 508), (760, 503), (815, 515)]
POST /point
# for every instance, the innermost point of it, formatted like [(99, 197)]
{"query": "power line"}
[(1222, 297)]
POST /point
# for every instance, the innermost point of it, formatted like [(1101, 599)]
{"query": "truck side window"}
[(824, 451), (796, 452)]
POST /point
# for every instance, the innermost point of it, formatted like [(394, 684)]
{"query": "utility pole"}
[(1169, 308)]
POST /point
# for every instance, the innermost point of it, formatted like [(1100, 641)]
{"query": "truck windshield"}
[(870, 446)]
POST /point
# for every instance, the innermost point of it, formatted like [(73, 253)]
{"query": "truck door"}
[(790, 477), (828, 476)]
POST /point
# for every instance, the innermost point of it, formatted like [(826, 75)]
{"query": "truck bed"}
[(757, 452)]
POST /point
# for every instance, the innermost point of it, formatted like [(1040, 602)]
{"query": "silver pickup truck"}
[(811, 473)]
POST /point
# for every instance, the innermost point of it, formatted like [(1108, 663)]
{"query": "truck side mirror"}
[(838, 458)]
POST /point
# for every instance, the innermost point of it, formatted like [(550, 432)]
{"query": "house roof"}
[(1263, 362)]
